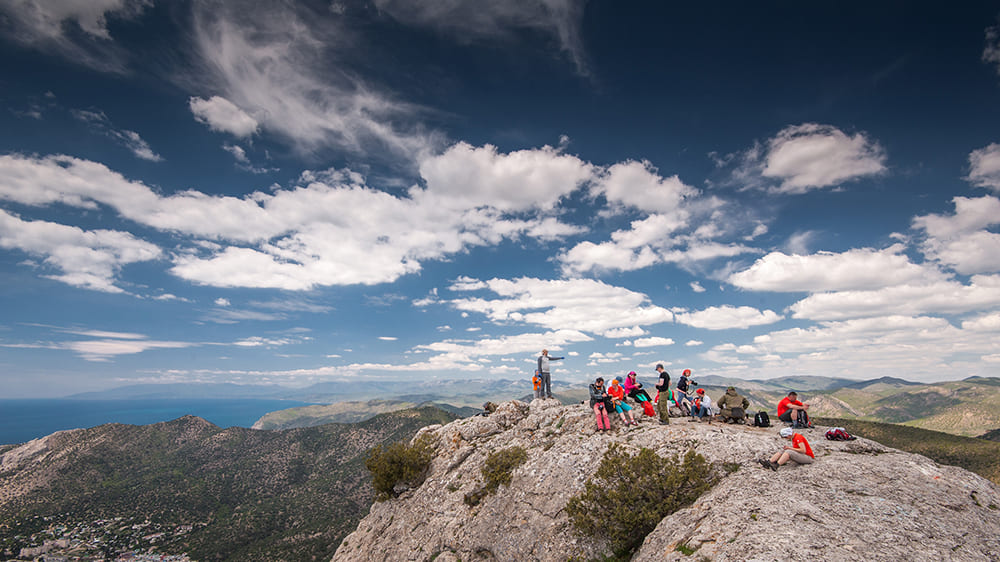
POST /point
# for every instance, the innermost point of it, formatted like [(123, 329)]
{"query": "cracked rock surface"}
[(859, 500)]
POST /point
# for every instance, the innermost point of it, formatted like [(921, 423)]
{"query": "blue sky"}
[(299, 192)]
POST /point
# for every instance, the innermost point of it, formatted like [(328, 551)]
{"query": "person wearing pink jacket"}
[(634, 388)]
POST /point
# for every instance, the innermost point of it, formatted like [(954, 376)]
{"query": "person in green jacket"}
[(732, 400)]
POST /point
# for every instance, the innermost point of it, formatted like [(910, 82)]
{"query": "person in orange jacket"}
[(617, 393)]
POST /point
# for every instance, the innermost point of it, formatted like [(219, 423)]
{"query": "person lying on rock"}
[(617, 393), (800, 452), (790, 410), (598, 401), (733, 406)]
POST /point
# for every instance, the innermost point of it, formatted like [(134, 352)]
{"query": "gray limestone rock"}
[(859, 501)]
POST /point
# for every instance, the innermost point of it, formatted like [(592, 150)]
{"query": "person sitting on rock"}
[(617, 393), (800, 452), (733, 407), (598, 401), (634, 389), (790, 410), (702, 406)]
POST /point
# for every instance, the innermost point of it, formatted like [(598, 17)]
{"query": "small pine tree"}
[(630, 494)]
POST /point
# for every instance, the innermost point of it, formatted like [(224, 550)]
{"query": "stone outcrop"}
[(859, 500)]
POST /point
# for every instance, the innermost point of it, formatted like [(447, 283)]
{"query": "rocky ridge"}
[(859, 501)]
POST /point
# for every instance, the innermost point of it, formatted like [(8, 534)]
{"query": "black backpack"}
[(761, 419)]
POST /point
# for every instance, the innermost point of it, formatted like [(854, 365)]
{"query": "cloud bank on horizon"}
[(346, 191)]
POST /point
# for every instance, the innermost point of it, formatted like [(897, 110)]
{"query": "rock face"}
[(858, 501)]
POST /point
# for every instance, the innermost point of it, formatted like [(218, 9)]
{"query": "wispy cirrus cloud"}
[(280, 66), (991, 52), (470, 21), (75, 30), (131, 140)]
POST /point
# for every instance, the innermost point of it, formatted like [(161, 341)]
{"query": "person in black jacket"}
[(599, 402), (663, 402), (681, 395)]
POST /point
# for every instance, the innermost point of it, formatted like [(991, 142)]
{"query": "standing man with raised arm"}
[(545, 373)]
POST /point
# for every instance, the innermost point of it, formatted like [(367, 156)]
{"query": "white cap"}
[(786, 432)]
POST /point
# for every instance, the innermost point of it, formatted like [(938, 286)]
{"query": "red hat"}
[(686, 372), (700, 391)]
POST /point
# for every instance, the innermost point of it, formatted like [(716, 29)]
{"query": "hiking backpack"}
[(761, 419), (839, 434)]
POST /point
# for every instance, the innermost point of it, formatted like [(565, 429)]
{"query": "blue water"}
[(24, 420)]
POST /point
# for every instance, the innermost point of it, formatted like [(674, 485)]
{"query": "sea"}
[(25, 419)]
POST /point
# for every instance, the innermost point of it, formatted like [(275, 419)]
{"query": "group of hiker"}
[(608, 400), (685, 400)]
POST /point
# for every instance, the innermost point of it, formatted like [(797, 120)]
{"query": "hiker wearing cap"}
[(681, 394), (545, 374), (800, 452), (702, 406), (663, 400), (598, 401), (617, 393), (732, 406), (790, 410)]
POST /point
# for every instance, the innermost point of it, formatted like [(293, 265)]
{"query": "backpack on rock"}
[(839, 434)]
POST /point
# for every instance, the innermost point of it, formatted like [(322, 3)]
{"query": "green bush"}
[(499, 467), (399, 463), (630, 494)]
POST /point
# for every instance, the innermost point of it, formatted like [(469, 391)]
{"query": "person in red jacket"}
[(800, 452), (617, 393), (792, 411)]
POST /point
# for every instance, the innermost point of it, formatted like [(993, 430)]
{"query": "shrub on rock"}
[(400, 466), (631, 493)]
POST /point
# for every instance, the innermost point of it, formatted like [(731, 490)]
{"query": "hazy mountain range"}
[(216, 494), (969, 407)]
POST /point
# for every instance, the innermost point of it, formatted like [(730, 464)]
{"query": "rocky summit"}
[(859, 501)]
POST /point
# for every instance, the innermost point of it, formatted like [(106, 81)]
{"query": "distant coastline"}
[(22, 420)]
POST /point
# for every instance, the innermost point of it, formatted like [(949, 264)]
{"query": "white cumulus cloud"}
[(984, 165), (90, 259), (224, 116), (576, 304), (962, 240), (941, 297), (810, 156), (859, 268), (727, 317)]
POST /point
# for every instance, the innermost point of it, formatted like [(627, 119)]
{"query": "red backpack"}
[(839, 434)]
